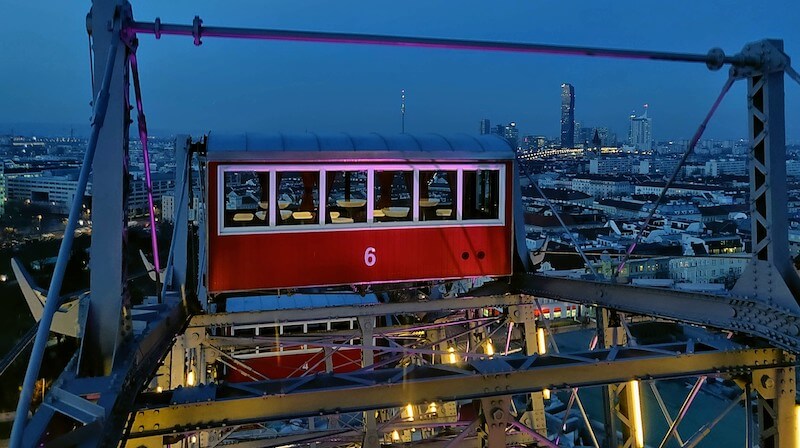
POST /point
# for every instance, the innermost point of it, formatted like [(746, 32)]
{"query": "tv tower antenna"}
[(403, 111)]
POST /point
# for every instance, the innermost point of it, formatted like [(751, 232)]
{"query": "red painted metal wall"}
[(339, 257), (295, 365)]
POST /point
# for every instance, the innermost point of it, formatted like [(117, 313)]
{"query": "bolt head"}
[(498, 414)]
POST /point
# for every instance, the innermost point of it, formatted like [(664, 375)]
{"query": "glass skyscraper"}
[(567, 116)]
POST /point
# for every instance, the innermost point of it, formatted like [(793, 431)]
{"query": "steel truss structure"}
[(212, 406), (142, 376)]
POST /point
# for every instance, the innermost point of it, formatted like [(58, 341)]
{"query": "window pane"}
[(437, 190), (245, 332), (319, 326), (293, 329), (347, 196), (298, 198), (393, 193), (481, 194), (246, 198)]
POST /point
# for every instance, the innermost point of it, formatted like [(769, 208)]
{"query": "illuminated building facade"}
[(567, 116), (640, 135)]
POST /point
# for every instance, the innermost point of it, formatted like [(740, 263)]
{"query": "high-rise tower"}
[(511, 134), (567, 116), (486, 127), (640, 134)]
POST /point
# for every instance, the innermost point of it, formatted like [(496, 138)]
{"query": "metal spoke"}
[(793, 73), (706, 429), (682, 412), (664, 410)]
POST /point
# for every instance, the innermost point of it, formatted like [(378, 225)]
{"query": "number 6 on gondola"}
[(369, 257)]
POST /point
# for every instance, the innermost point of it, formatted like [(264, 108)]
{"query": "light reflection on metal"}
[(797, 422), (489, 348), (638, 425), (508, 338), (410, 411), (452, 356), (541, 345)]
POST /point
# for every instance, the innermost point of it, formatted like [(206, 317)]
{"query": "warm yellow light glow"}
[(546, 394), (190, 378), (395, 436), (489, 348), (159, 389), (638, 429), (193, 439), (453, 357), (432, 408), (541, 345), (410, 411), (796, 425)]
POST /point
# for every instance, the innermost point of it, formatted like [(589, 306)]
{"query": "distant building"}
[(710, 192), (707, 269), (602, 186), (610, 165), (793, 168), (53, 188), (137, 193), (675, 209), (486, 126), (737, 167), (621, 208), (607, 138), (511, 134), (712, 245), (640, 134), (567, 116), (2, 189), (168, 206), (564, 196)]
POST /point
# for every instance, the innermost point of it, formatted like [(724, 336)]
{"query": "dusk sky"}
[(260, 86)]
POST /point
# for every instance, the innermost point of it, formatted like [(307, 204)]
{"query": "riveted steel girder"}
[(229, 404)]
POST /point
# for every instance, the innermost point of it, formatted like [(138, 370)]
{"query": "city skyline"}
[(278, 86)]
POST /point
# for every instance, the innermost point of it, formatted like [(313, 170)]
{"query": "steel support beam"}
[(214, 406), (534, 417), (381, 309), (108, 321), (777, 422), (495, 414), (714, 59), (735, 312), (610, 335), (367, 327), (771, 276), (180, 258)]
